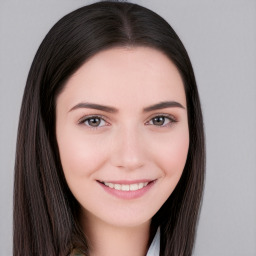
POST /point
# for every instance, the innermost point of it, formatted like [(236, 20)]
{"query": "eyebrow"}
[(164, 104), (95, 106), (161, 105)]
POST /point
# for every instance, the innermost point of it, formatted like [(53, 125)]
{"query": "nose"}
[(128, 149)]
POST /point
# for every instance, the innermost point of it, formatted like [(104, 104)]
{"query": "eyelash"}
[(171, 119), (87, 118)]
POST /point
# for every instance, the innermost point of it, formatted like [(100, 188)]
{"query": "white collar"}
[(154, 249)]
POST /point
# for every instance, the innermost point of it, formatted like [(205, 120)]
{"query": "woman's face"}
[(122, 133)]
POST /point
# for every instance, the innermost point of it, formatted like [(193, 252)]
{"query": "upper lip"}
[(126, 182)]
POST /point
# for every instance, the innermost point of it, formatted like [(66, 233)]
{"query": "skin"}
[(126, 144)]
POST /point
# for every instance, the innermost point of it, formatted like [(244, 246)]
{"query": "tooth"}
[(145, 184), (117, 186), (134, 187), (125, 187), (141, 185), (111, 185)]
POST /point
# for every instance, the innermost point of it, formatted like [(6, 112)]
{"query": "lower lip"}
[(128, 194)]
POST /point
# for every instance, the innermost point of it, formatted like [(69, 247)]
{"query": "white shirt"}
[(154, 248)]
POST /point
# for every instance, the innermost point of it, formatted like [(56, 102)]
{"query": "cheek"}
[(80, 155), (176, 156), (171, 155), (171, 159)]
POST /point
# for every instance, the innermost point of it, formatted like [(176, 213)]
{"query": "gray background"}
[(220, 37)]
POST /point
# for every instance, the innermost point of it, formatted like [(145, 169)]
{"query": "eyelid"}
[(84, 118), (172, 118)]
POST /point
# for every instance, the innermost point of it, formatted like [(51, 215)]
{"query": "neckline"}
[(154, 248)]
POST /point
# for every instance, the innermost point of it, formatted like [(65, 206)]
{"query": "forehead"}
[(140, 75)]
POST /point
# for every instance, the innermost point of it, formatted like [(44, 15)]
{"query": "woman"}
[(110, 149)]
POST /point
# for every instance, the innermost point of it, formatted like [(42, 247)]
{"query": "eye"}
[(93, 121), (161, 120)]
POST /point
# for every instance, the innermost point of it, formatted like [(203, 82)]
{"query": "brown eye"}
[(161, 120), (94, 122)]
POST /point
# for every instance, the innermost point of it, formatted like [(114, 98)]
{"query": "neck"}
[(105, 239)]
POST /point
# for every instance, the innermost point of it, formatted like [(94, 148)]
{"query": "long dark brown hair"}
[(45, 211)]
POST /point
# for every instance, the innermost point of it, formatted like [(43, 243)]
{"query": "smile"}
[(126, 187)]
